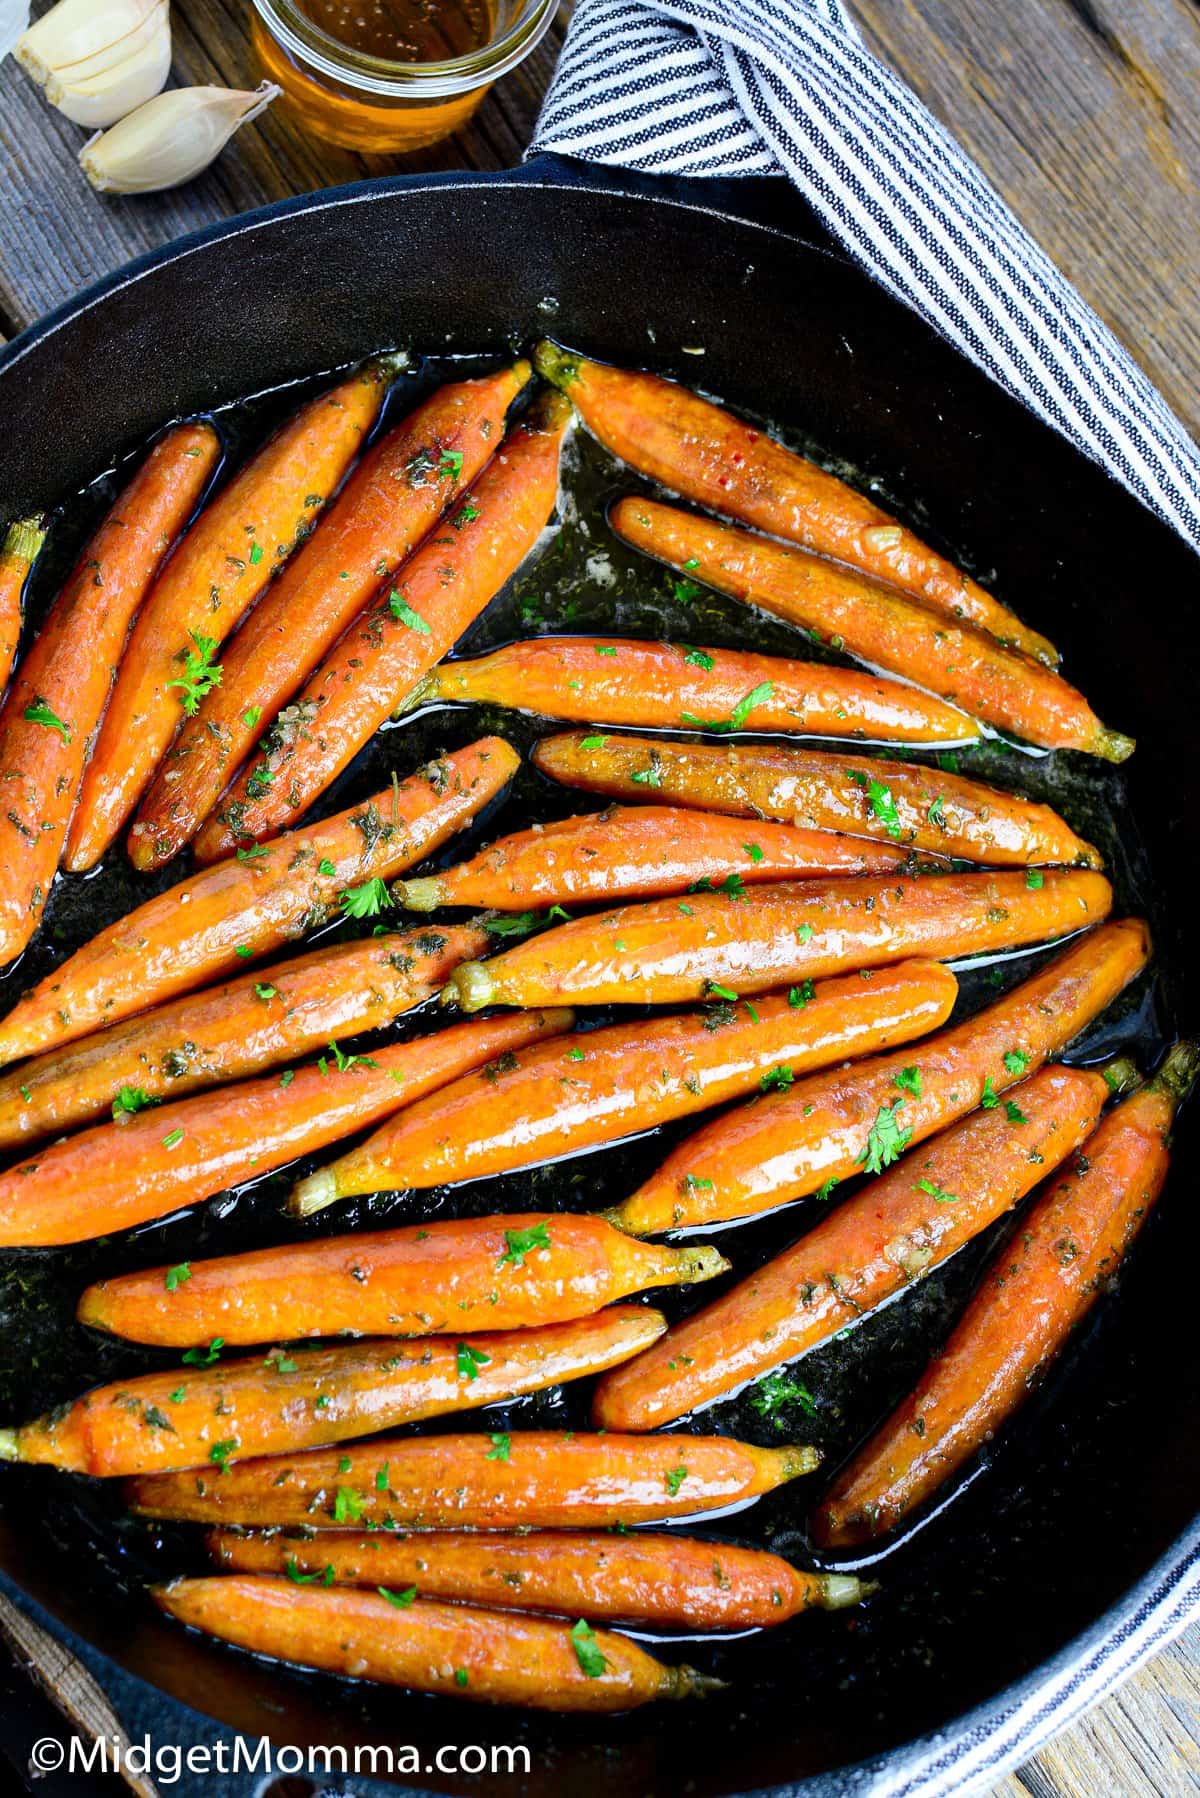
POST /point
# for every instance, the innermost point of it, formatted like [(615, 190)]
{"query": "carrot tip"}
[(1121, 1074), (470, 986), (801, 1460), (701, 1264), (10, 1448), (686, 1682), (418, 895), (555, 365), (837, 1590), (389, 363), (1178, 1072), (24, 538), (1112, 746), (313, 1194)]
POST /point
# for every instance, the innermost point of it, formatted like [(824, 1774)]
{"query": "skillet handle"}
[(769, 200)]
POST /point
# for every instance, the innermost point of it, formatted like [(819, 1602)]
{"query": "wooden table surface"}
[(1086, 114)]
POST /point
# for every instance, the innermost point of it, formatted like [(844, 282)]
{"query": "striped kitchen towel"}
[(751, 87)]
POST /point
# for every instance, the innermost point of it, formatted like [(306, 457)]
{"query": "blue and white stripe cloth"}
[(751, 87)]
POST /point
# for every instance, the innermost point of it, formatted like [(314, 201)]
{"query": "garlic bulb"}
[(98, 90), (77, 30), (171, 138)]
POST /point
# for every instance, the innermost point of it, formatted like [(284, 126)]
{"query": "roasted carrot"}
[(727, 944), (138, 1167), (230, 1031), (1040, 1284), (231, 552), (547, 1480), (639, 851), (511, 1273), (18, 553), (436, 595), (613, 1082), (620, 681), (961, 662), (54, 704), (821, 1130), (214, 1411), (494, 1657), (391, 501), (257, 900), (663, 1580), (888, 1235), (921, 808), (706, 454)]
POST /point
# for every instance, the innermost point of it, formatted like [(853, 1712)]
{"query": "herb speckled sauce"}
[(581, 579)]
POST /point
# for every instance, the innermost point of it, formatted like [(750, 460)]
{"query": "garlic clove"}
[(69, 74), (171, 138), (112, 92), (76, 29)]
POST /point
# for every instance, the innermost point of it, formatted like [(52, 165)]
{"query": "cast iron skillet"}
[(1083, 1541)]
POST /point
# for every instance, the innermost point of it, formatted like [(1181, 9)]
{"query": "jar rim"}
[(317, 50)]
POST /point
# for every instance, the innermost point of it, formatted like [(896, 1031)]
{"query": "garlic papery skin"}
[(75, 30), (14, 22), (171, 138), (108, 93)]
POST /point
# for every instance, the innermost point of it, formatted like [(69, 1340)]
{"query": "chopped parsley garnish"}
[(326, 867), (886, 1139), (172, 1139), (1034, 878), (256, 554), (826, 1191), (936, 1192), (909, 1081), (368, 900), (685, 591), (1015, 1061), (264, 992), (401, 1600), (1013, 1112), (519, 1243), (804, 933), (583, 1640), (251, 716), (469, 1360), (673, 1479), (451, 464), (713, 991), (802, 995), (937, 813), (401, 609), (501, 1449), (253, 855), (592, 742), (130, 1100), (292, 1568), (737, 718), (754, 852), (699, 658), (204, 1357), (606, 649), (347, 1505), (775, 1080), (771, 1394), (39, 713), (518, 923), (175, 1276), (200, 673), (220, 1452), (987, 1097)]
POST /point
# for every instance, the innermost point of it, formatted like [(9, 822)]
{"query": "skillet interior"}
[(1102, 1473)]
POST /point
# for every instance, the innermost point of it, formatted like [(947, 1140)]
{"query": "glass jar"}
[(368, 103)]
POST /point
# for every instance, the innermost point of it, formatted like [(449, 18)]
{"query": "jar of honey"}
[(391, 75)]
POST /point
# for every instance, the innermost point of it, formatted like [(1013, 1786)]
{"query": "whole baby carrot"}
[(961, 662), (436, 595), (658, 1579), (138, 1167), (671, 684), (609, 1083), (53, 706), (639, 851), (922, 808), (257, 900), (547, 1480), (239, 541), (212, 1411), (509, 1273), (1041, 1283), (393, 499), (494, 1657), (808, 1137), (18, 552), (230, 1031), (706, 454), (886, 1236), (727, 944)]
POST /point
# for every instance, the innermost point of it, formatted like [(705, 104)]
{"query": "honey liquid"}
[(404, 30), (412, 32)]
